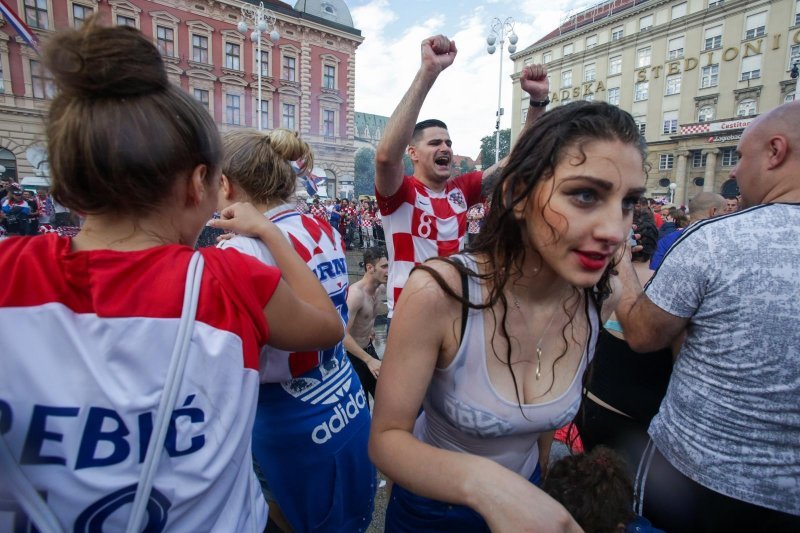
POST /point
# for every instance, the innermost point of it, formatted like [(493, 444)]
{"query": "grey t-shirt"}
[(731, 417)]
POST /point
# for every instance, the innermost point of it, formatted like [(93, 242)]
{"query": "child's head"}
[(595, 488)]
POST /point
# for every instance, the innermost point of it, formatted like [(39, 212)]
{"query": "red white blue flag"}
[(19, 26)]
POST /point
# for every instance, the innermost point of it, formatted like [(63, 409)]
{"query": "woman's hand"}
[(243, 219)]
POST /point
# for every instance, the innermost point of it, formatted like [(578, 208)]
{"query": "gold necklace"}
[(541, 338)]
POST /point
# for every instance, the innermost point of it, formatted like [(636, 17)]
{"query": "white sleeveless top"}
[(463, 412)]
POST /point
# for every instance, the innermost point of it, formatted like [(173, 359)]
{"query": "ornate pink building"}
[(307, 77)]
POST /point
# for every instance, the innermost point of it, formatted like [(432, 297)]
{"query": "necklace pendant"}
[(538, 362)]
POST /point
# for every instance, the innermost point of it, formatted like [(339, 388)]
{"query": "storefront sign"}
[(725, 138)]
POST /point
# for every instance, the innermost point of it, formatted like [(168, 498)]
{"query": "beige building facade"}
[(693, 73)]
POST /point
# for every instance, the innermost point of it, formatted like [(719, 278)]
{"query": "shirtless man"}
[(363, 300)]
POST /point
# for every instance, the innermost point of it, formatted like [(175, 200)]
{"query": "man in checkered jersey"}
[(425, 215)]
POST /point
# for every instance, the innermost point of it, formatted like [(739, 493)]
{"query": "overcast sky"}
[(465, 95)]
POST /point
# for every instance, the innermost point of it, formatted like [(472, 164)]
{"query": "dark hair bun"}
[(111, 62)]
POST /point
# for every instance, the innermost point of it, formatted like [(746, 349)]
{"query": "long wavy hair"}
[(533, 160)]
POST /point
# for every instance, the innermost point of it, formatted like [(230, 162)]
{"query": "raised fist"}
[(438, 53), (533, 80)]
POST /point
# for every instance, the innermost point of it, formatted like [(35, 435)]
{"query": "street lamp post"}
[(262, 20), (500, 31)]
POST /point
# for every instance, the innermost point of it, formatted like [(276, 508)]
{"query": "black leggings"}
[(675, 503)]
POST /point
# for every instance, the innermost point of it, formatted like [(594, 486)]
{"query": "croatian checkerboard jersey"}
[(421, 223), (87, 342)]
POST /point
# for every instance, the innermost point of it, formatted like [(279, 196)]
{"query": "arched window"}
[(705, 114), (9, 163), (746, 108)]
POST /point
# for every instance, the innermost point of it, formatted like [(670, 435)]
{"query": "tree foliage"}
[(488, 146), (364, 179), (408, 166)]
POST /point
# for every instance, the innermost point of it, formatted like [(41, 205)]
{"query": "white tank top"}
[(463, 412)]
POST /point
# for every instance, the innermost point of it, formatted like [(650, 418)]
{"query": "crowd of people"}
[(214, 388)]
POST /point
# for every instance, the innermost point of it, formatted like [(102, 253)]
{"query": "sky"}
[(465, 95)]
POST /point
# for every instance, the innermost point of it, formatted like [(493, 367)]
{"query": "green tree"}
[(408, 166), (488, 145), (364, 179), (463, 167)]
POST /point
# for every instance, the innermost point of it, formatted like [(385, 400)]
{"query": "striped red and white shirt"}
[(421, 223)]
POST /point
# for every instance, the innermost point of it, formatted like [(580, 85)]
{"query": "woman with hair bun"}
[(494, 343), (81, 406), (312, 424)]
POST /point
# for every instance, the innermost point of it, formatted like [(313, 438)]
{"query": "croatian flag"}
[(19, 26), (312, 183)]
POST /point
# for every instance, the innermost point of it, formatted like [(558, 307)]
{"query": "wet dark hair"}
[(421, 126), (373, 255), (533, 160), (118, 131), (648, 235), (595, 488)]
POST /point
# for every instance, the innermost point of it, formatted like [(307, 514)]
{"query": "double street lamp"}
[(500, 31), (262, 20)]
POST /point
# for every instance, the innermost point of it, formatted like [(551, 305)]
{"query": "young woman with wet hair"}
[(80, 405), (312, 423), (494, 343)]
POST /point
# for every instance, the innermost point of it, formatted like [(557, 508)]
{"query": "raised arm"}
[(425, 325), (300, 314), (438, 53), (533, 80)]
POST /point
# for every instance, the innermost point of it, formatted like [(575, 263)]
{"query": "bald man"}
[(724, 453), (702, 206)]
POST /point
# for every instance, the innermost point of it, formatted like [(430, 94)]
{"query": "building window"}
[(614, 65), (729, 157), (643, 57), (589, 73), (641, 125), (670, 123), (233, 109), (288, 73), (233, 54), (165, 41), (201, 95), (591, 42), (288, 116), (617, 33), (328, 121), (679, 11), (699, 159), (199, 48), (641, 90), (568, 49), (746, 108), (79, 14), (788, 98), (675, 48), (124, 20), (547, 57), (36, 14), (709, 76), (797, 13), (666, 161), (751, 67), (41, 82), (589, 97), (566, 79), (264, 113), (705, 114), (2, 81), (755, 25), (715, 3), (673, 85), (329, 77), (645, 23), (613, 95), (712, 38), (795, 56)]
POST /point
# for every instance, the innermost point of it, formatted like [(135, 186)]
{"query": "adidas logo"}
[(342, 414), (336, 382)]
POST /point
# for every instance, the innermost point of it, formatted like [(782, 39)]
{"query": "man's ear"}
[(778, 150), (412, 152), (197, 189)]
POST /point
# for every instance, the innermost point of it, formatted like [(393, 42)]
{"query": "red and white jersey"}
[(420, 223), (321, 247), (88, 339)]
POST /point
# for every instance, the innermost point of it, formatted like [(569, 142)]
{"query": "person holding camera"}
[(16, 211)]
